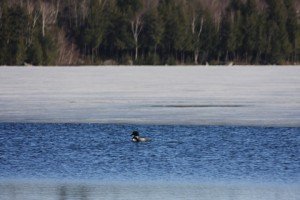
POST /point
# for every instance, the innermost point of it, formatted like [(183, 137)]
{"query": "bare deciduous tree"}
[(68, 54), (136, 28), (49, 12), (197, 33), (196, 23)]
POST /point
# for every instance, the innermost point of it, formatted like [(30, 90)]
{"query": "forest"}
[(149, 32)]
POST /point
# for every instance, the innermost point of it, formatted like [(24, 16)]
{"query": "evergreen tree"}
[(209, 39), (49, 49), (249, 30), (175, 37), (35, 53), (118, 40), (182, 42), (20, 54), (291, 25), (231, 35), (4, 33), (166, 8), (16, 35), (129, 7), (152, 34), (261, 39), (227, 38), (279, 45), (297, 48), (95, 27)]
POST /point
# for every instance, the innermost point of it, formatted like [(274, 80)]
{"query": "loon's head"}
[(135, 133)]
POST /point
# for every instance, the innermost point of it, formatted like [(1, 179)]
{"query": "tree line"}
[(149, 32)]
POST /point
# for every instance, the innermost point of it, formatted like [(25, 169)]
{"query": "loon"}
[(136, 137)]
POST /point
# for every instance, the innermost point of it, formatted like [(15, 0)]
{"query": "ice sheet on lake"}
[(116, 191), (152, 95)]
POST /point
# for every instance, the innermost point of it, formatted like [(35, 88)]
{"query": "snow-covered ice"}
[(238, 95), (163, 191)]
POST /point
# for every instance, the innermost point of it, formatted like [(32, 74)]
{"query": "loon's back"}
[(140, 139)]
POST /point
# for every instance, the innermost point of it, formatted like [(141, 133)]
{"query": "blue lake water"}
[(104, 153), (176, 153)]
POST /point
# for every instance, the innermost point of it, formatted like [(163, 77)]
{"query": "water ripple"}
[(182, 153)]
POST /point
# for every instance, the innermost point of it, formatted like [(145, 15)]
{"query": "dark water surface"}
[(98, 161), (176, 153)]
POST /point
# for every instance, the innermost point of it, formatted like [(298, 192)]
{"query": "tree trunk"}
[(155, 49), (136, 28), (136, 52), (197, 34), (196, 56), (226, 59), (43, 26)]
